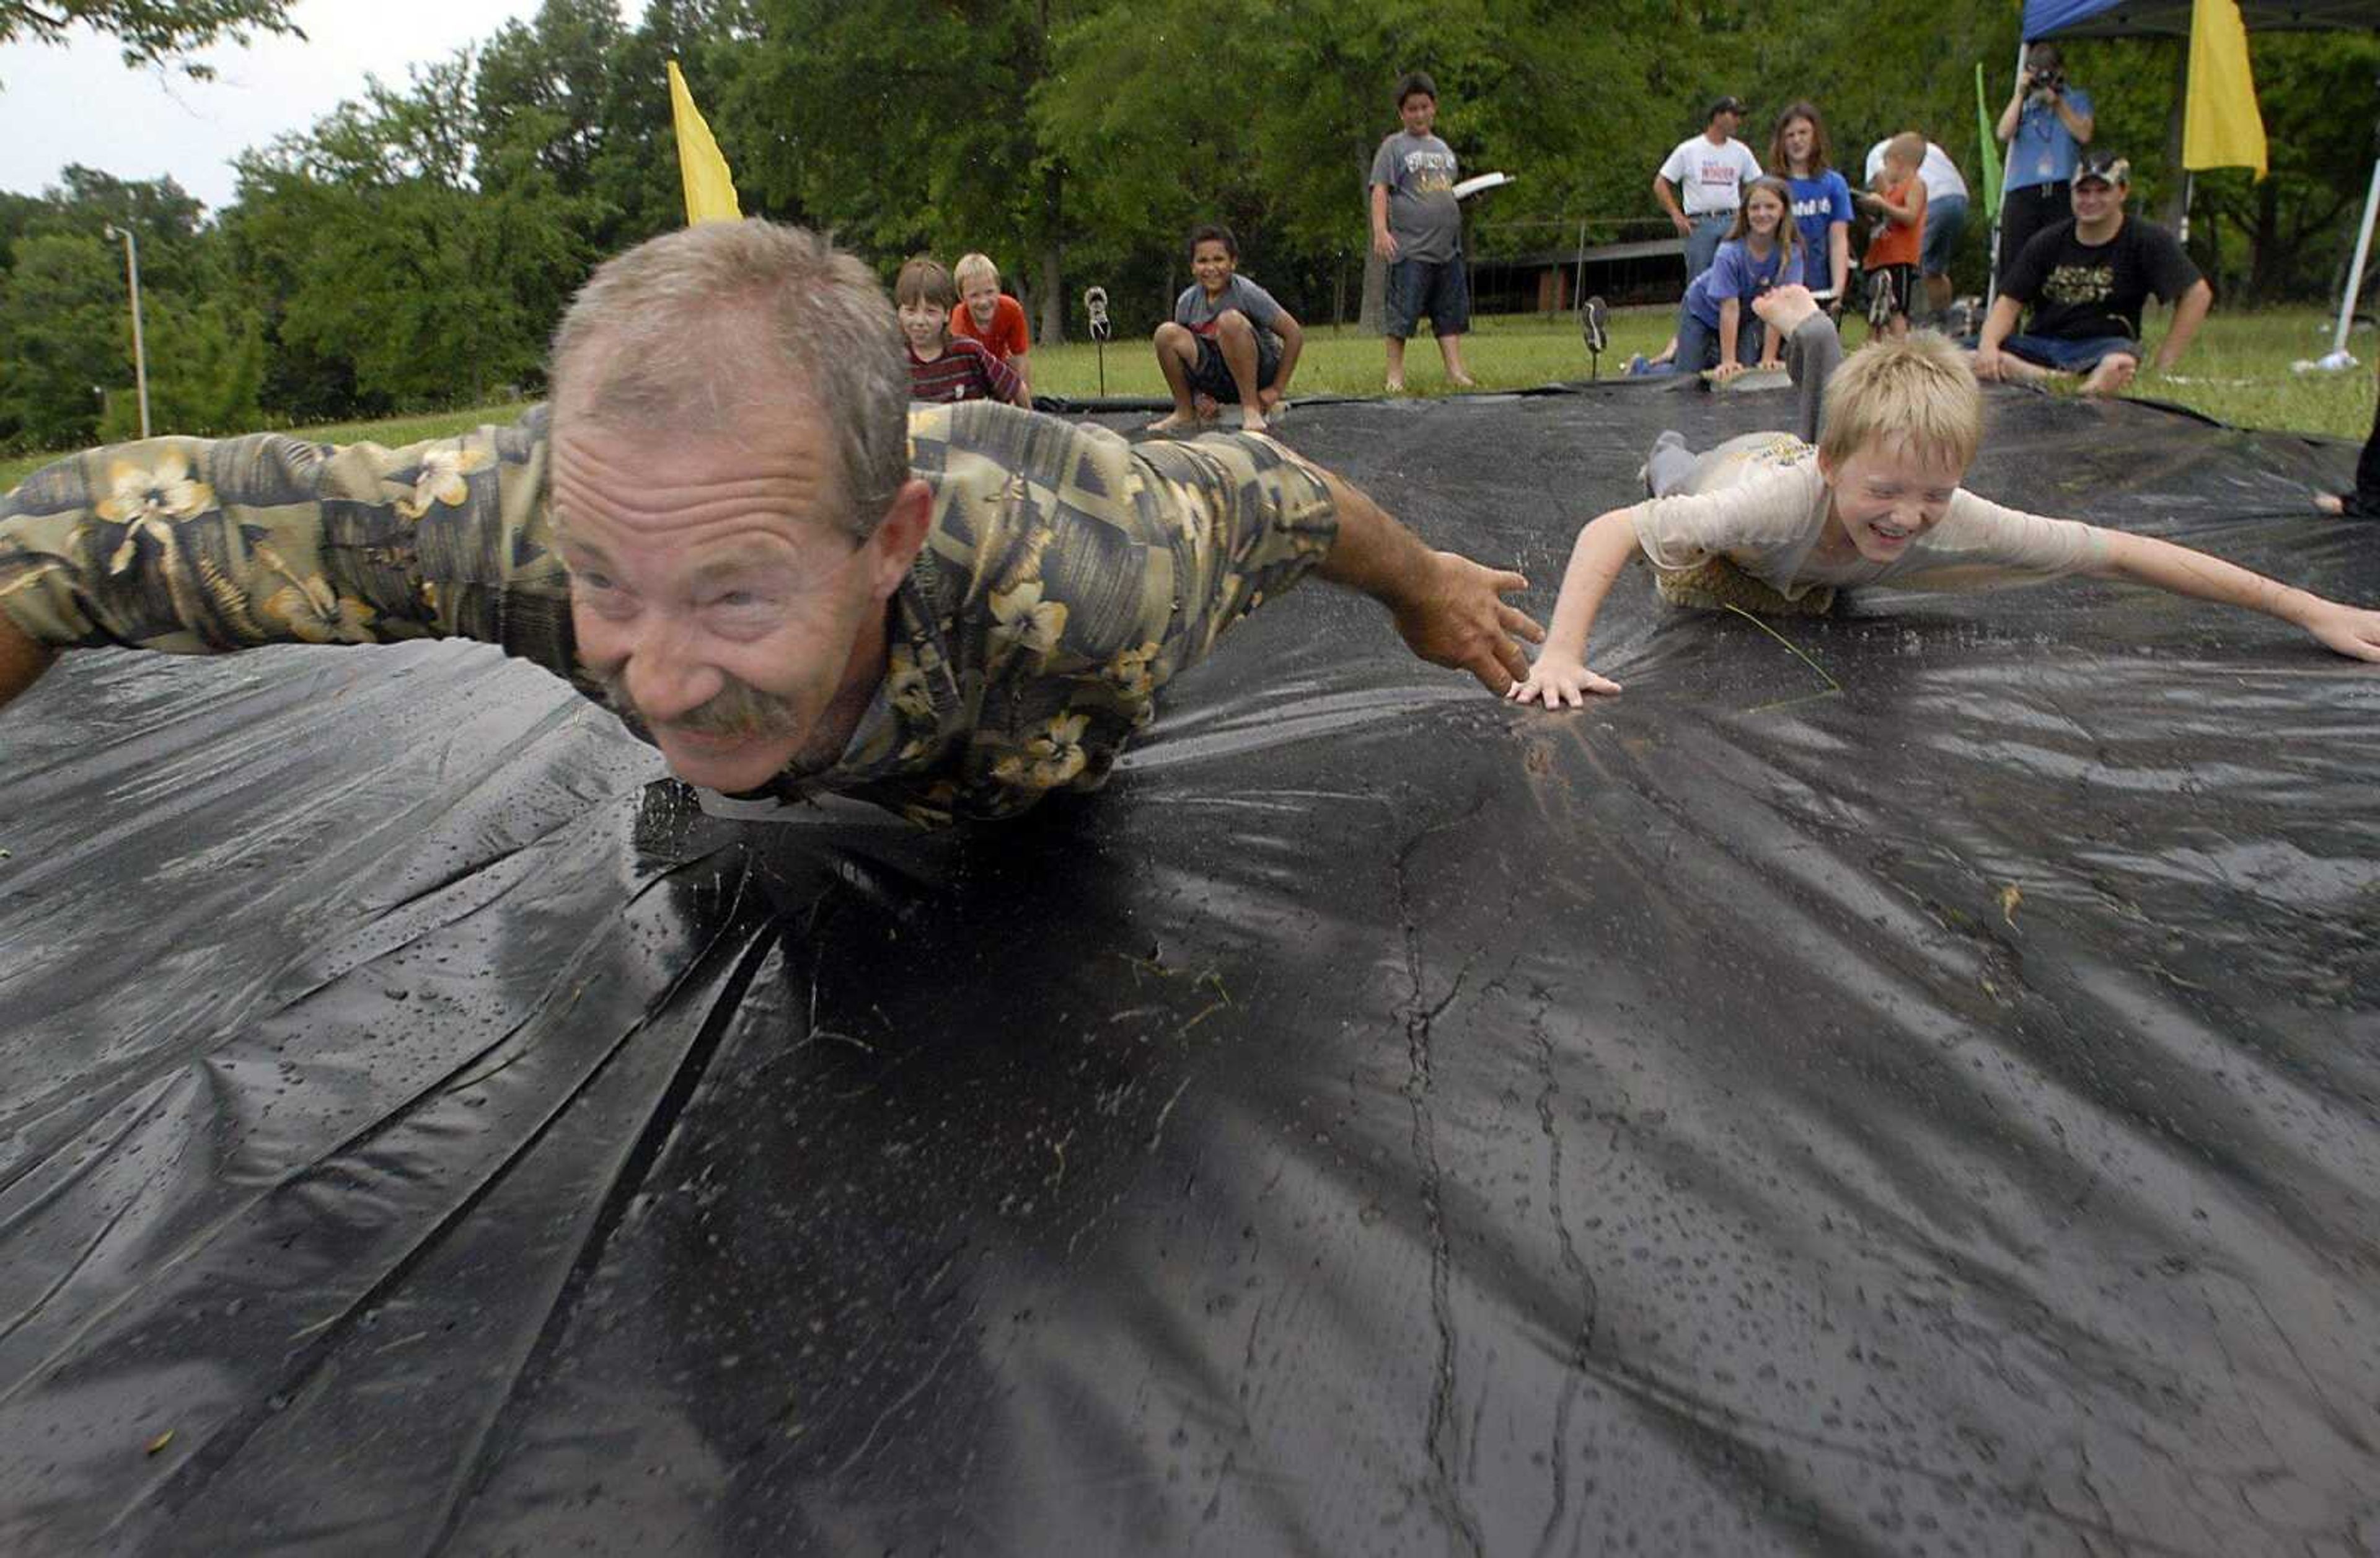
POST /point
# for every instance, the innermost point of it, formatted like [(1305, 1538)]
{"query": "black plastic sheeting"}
[(1909, 1083)]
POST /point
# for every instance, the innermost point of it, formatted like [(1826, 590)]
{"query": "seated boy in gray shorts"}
[(1227, 342)]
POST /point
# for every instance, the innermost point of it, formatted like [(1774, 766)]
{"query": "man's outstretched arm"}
[(22, 661), (1449, 610), (199, 547)]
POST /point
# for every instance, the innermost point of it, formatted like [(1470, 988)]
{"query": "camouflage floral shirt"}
[(1068, 575)]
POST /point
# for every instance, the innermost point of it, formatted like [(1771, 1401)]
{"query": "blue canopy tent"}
[(2171, 19)]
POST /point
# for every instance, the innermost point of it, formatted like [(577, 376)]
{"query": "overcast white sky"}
[(79, 104)]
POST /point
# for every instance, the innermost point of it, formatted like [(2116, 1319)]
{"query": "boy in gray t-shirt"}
[(1417, 229), (1228, 340)]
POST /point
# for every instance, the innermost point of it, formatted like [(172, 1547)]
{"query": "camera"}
[(2048, 79)]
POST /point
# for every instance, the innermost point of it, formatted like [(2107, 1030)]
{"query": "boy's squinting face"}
[(1887, 495), (1213, 265), (981, 297), (926, 322), (1419, 111)]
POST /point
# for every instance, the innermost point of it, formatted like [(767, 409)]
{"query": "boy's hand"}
[(2352, 632), (1458, 619), (1557, 681), (1384, 244)]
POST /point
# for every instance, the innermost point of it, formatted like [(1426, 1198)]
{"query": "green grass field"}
[(2238, 370)]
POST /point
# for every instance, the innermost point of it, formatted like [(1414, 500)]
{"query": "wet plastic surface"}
[(1925, 1097)]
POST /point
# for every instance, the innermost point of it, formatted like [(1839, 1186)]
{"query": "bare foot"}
[(1784, 309), (2330, 504), (1252, 420), (1463, 381), (1396, 386), (1179, 418)]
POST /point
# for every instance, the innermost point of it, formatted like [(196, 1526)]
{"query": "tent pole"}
[(2338, 358)]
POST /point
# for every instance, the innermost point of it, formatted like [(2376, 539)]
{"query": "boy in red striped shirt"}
[(942, 368)]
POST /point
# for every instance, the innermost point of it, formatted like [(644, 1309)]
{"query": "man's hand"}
[(1990, 365), (1683, 223), (21, 660), (1558, 681), (2350, 631), (1458, 619)]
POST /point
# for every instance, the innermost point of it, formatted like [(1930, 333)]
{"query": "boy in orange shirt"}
[(1900, 212), (991, 317)]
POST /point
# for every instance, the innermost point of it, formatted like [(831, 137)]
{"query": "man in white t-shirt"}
[(1708, 171), (1946, 218)]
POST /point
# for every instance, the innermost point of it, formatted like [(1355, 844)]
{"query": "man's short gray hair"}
[(693, 331)]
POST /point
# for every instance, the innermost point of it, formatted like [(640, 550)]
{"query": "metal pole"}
[(2355, 276), (139, 348)]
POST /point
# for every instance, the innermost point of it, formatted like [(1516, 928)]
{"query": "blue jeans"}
[(1698, 343), (1946, 219), (1701, 244), (1439, 289), (2069, 356)]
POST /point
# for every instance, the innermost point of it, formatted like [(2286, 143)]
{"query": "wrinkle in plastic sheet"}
[(1912, 1094)]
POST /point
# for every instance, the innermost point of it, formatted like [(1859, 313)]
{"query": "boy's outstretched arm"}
[(2146, 560), (22, 660), (1449, 610), (1560, 676)]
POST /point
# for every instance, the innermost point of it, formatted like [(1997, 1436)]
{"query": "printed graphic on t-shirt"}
[(1717, 173), (1432, 171), (2079, 284)]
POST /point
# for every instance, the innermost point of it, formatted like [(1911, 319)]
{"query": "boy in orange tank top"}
[(1900, 212)]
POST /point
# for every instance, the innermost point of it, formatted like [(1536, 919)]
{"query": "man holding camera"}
[(2044, 127)]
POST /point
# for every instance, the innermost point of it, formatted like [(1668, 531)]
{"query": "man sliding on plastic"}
[(729, 525), (1766, 523)]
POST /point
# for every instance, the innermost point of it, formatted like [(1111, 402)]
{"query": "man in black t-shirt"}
[(2085, 280)]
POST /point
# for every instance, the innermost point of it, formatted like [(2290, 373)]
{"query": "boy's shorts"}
[(1416, 288), (2070, 356), (1211, 376), (1945, 220), (1716, 584), (1904, 284)]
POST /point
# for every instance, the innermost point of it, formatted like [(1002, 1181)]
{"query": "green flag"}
[(1990, 144)]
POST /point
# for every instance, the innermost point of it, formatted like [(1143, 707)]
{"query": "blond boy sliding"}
[(1767, 523)]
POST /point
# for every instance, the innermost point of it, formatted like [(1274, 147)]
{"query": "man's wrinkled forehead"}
[(711, 375), (713, 431)]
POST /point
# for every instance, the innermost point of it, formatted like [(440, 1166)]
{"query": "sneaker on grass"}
[(1595, 323)]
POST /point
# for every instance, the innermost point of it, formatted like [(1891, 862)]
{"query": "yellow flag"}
[(2220, 126), (710, 192)]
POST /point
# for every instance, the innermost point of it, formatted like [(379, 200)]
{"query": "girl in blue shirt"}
[(1822, 198), (1715, 319)]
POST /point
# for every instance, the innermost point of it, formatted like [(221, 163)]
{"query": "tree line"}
[(414, 248)]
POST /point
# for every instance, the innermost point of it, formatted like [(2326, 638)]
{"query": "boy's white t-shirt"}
[(1760, 501), (1710, 179)]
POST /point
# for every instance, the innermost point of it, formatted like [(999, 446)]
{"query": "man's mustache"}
[(738, 710)]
